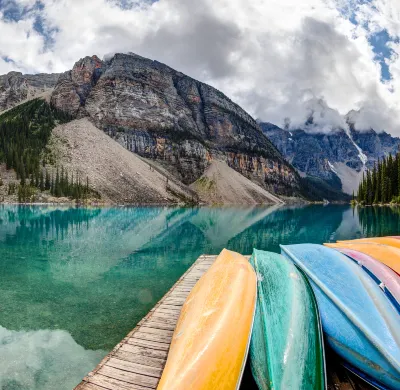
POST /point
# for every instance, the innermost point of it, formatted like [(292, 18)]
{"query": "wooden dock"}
[(137, 362)]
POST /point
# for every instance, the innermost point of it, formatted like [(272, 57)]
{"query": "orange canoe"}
[(386, 254), (391, 241), (210, 343)]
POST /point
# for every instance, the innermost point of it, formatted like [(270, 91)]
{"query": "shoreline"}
[(301, 203)]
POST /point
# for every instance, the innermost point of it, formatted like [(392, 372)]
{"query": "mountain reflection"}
[(95, 272)]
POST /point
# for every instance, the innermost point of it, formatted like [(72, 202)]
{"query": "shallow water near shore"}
[(75, 281)]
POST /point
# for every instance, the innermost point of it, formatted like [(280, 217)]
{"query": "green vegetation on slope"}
[(382, 183), (316, 189), (24, 133)]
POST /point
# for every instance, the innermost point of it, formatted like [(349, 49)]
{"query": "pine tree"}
[(66, 185), (52, 185), (41, 181), (22, 174), (383, 189), (398, 174), (37, 179), (62, 182), (57, 189), (368, 189), (47, 184)]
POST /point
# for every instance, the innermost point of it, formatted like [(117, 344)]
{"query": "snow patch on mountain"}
[(332, 167), (363, 157)]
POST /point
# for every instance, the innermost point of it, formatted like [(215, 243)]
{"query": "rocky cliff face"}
[(338, 157), (16, 87), (161, 114)]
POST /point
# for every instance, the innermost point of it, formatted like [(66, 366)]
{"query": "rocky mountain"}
[(16, 87), (338, 157), (172, 119)]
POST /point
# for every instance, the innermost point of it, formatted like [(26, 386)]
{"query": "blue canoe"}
[(359, 322)]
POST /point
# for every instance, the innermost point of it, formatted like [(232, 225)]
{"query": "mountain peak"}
[(160, 113)]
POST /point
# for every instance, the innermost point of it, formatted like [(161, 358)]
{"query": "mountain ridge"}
[(338, 157), (16, 87), (184, 125), (178, 125), (162, 114)]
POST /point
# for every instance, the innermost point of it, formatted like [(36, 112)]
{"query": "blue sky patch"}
[(378, 40), (379, 43), (7, 59)]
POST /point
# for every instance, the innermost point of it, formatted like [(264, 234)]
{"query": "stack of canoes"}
[(278, 310)]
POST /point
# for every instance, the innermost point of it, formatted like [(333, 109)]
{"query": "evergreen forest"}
[(381, 184), (24, 133)]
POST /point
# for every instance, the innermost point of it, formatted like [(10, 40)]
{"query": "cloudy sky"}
[(278, 59)]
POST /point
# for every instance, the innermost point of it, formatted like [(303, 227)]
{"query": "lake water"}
[(75, 281)]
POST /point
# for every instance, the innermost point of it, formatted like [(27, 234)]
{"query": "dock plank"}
[(137, 362), (136, 368)]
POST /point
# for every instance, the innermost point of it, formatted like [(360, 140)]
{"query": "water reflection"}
[(41, 360), (93, 273)]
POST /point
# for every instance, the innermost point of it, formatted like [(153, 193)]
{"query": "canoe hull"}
[(358, 321), (286, 349), (210, 343), (391, 241)]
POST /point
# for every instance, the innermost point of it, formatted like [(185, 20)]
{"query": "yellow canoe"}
[(391, 241), (386, 254), (210, 343)]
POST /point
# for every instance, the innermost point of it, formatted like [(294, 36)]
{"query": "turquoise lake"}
[(75, 281)]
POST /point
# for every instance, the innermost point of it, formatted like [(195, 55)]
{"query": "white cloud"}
[(381, 14), (40, 359), (277, 58)]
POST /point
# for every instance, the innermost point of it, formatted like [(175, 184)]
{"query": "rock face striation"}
[(338, 157), (16, 87), (164, 115)]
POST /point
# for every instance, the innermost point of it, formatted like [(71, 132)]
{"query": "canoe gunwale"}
[(248, 341), (381, 284), (260, 291), (319, 323), (346, 312), (364, 377)]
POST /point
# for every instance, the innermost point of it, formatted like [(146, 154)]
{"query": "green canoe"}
[(286, 349)]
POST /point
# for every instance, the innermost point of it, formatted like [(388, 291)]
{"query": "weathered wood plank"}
[(146, 329), (178, 295), (114, 384), (90, 386), (148, 344), (143, 351), (140, 359), (174, 301), (134, 367), (159, 325), (159, 338), (129, 377), (163, 320), (173, 311)]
